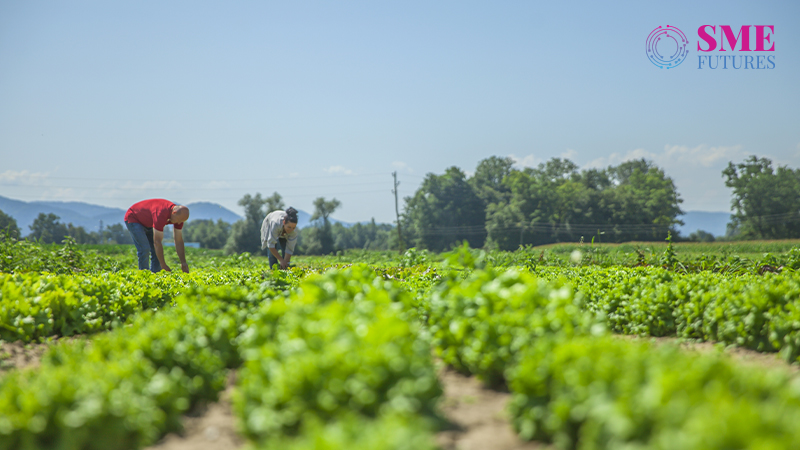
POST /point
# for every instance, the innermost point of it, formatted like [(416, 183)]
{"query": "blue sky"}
[(113, 102)]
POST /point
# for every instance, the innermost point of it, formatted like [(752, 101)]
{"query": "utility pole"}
[(100, 233), (397, 212)]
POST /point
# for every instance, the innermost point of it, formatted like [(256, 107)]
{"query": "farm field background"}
[(346, 351)]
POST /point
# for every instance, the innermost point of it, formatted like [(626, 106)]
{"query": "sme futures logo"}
[(666, 47), (751, 47)]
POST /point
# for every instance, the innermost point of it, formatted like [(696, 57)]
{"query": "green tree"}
[(766, 202), (208, 233), (47, 229), (555, 202), (445, 211), (645, 202), (528, 216), (80, 235), (369, 236), (273, 203), (117, 234), (245, 234), (488, 179), (8, 227), (505, 226), (321, 240), (701, 236)]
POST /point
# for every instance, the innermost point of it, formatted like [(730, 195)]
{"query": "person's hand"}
[(284, 264), (165, 267), (185, 267)]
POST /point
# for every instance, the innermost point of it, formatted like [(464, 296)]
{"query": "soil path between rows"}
[(477, 416), (18, 355), (209, 427)]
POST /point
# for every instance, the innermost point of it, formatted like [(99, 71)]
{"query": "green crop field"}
[(342, 351)]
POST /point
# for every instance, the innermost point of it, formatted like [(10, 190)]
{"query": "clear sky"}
[(113, 102)]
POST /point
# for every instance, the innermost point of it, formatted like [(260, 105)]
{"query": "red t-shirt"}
[(153, 213)]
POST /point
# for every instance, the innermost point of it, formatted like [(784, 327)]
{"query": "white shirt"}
[(272, 230)]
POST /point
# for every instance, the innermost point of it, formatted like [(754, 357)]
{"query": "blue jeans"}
[(281, 247), (143, 240)]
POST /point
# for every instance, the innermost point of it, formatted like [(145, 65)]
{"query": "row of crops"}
[(755, 312), (345, 358)]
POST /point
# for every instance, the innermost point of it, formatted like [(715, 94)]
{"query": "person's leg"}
[(282, 244), (140, 241), (272, 259), (155, 265)]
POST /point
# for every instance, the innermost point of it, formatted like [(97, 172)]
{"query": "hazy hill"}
[(83, 214), (213, 211), (89, 216)]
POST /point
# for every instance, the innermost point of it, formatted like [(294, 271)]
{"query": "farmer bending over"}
[(280, 227), (146, 221)]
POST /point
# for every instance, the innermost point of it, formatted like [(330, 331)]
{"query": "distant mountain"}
[(89, 216), (79, 214), (712, 222), (303, 218), (211, 211), (84, 209)]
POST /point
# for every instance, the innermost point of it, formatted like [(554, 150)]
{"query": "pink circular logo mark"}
[(667, 47)]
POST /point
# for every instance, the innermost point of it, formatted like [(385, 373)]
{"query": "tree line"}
[(321, 238), (48, 229), (502, 207)]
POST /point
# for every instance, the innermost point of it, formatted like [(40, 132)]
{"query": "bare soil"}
[(208, 427), (18, 355), (478, 415)]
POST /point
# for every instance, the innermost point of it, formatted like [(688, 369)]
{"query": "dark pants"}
[(143, 240), (282, 246)]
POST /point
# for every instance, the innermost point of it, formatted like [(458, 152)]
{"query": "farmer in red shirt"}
[(146, 221)]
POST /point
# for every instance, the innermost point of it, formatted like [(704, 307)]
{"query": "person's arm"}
[(179, 248), (158, 236), (277, 255), (290, 243)]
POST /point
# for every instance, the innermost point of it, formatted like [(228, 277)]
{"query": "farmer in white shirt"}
[(280, 227)]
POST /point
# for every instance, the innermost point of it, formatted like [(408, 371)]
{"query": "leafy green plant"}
[(414, 257), (34, 306), (478, 325), (608, 393), (128, 387), (338, 345), (354, 432)]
